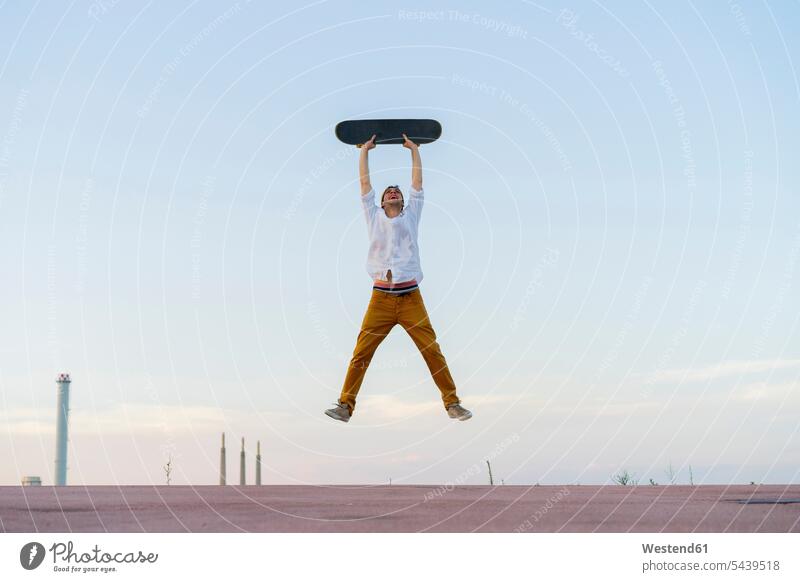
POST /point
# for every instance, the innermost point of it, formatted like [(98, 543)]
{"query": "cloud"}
[(126, 419), (721, 370), (388, 407), (761, 391)]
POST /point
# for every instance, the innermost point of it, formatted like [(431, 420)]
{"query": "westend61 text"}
[(671, 549)]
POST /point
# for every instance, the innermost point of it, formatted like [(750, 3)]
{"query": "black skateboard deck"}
[(388, 131)]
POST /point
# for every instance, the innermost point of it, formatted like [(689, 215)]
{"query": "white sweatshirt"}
[(393, 241)]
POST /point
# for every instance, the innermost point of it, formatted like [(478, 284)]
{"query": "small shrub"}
[(624, 478)]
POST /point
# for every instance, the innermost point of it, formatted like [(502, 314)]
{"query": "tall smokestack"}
[(258, 463), (222, 476), (62, 424), (241, 465)]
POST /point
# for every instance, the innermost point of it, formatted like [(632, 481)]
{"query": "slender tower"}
[(258, 462), (222, 477), (241, 465), (62, 424)]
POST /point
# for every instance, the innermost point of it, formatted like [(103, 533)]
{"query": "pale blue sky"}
[(610, 239)]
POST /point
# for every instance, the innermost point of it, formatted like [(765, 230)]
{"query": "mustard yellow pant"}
[(384, 311)]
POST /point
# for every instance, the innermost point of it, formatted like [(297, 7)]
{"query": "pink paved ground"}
[(398, 508)]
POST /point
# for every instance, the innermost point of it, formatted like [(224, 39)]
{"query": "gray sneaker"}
[(339, 412), (459, 412)]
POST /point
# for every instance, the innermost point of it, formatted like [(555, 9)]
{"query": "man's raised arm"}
[(363, 166), (416, 163)]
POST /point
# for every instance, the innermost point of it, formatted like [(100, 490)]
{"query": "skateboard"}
[(387, 131)]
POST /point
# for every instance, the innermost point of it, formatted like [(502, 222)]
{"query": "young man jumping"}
[(394, 266)]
